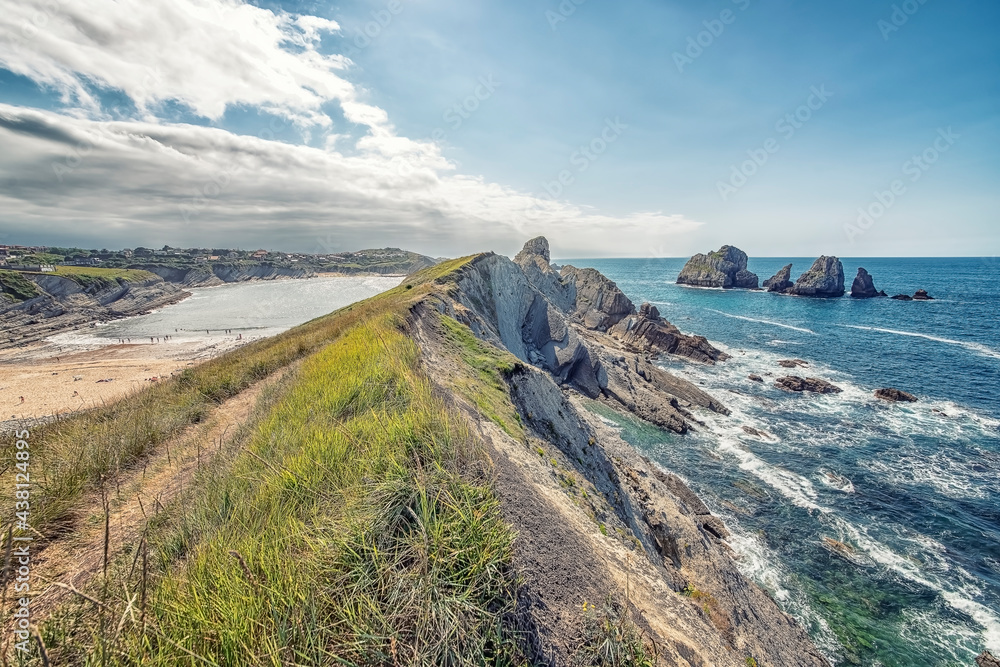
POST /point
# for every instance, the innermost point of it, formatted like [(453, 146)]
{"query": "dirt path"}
[(77, 555)]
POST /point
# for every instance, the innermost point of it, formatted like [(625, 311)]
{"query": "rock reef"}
[(824, 279), (895, 395), (725, 268), (813, 385), (864, 286), (780, 281)]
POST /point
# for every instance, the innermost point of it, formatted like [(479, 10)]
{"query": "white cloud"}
[(206, 54), (81, 175), (196, 185)]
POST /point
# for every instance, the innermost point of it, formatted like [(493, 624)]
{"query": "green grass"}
[(88, 275), (485, 385), (349, 531), (611, 639), (17, 286)]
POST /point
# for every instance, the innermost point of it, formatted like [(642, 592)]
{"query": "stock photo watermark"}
[(19, 543), (786, 127), (565, 9), (913, 169), (899, 17), (704, 39), (373, 29)]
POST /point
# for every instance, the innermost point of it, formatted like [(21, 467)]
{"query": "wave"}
[(979, 348), (760, 321), (796, 488)]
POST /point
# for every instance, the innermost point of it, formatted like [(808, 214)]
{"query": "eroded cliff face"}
[(211, 275), (597, 521), (65, 304)]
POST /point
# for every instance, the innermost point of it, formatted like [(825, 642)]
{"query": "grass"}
[(611, 639), (17, 286), (89, 275), (75, 453), (486, 385)]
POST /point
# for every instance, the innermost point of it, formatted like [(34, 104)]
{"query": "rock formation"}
[(726, 268), (895, 395), (814, 385), (986, 659), (903, 297), (824, 279), (648, 332), (921, 295), (792, 363), (864, 286), (753, 377), (780, 281)]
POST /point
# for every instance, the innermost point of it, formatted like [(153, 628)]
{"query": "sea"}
[(876, 525), (250, 310)]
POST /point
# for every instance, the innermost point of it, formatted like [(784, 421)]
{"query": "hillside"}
[(414, 479)]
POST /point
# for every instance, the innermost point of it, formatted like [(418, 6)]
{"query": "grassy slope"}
[(350, 530), (88, 275), (17, 286)]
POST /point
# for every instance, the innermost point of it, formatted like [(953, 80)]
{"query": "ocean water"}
[(910, 491), (253, 309)]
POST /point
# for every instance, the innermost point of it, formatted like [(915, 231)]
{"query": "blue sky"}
[(886, 81)]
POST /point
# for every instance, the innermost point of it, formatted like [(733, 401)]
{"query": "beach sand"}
[(61, 378)]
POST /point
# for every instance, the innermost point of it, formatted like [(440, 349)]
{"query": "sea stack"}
[(726, 268), (824, 279), (864, 286), (780, 281)]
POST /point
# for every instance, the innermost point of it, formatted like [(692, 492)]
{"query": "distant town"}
[(44, 259)]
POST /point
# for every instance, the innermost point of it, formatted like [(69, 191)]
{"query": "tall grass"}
[(354, 529), (73, 455)]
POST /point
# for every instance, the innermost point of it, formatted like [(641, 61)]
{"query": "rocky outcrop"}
[(599, 303), (780, 281), (902, 297), (792, 363), (753, 377), (921, 295), (986, 659), (895, 395), (726, 268), (211, 275), (649, 333), (65, 303), (864, 286), (824, 279), (814, 385)]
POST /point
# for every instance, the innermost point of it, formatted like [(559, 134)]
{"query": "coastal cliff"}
[(726, 268), (60, 302)]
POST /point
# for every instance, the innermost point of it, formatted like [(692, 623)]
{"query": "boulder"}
[(986, 659), (903, 297), (922, 295), (895, 395), (814, 385), (599, 303), (753, 377), (780, 281), (792, 363), (726, 268), (864, 286), (824, 279)]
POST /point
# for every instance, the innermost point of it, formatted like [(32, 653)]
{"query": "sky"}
[(637, 128)]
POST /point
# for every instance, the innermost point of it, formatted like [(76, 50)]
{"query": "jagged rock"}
[(814, 385), (755, 378), (921, 295), (864, 286), (895, 395), (599, 303), (824, 279), (726, 268), (534, 262), (648, 332), (986, 659), (792, 363), (780, 281), (903, 297)]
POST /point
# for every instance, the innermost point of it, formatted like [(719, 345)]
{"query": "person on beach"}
[(22, 399)]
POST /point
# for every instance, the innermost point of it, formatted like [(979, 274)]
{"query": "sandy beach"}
[(75, 372)]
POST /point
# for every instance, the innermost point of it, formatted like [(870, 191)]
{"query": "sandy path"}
[(77, 555)]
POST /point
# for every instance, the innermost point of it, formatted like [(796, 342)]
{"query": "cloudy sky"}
[(634, 128)]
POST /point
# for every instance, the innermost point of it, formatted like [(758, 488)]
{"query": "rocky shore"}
[(596, 520)]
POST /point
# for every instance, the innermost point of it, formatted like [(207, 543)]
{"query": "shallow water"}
[(912, 490), (252, 309)]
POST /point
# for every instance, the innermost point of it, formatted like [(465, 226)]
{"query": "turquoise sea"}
[(910, 491)]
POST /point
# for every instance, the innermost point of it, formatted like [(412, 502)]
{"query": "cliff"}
[(59, 302), (825, 278), (726, 268)]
